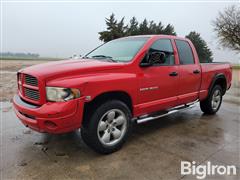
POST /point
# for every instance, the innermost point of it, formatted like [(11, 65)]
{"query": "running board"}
[(146, 117)]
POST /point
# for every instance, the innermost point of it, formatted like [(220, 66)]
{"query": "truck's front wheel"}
[(108, 127), (212, 104)]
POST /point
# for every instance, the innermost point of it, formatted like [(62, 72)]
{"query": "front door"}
[(158, 83)]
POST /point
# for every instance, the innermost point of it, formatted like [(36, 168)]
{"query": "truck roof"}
[(157, 35)]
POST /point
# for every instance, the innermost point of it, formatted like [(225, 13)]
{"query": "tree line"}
[(117, 29), (19, 55)]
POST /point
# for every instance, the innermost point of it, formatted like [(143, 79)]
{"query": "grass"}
[(31, 59), (236, 66)]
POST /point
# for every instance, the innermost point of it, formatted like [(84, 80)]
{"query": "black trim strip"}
[(19, 101)]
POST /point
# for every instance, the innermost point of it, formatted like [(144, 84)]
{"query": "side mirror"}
[(145, 62), (157, 57), (153, 58)]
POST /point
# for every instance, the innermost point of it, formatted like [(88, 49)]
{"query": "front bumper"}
[(52, 117)]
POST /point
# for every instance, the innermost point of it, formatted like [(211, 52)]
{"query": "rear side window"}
[(184, 52), (165, 46)]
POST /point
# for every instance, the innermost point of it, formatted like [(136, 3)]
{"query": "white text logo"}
[(201, 171)]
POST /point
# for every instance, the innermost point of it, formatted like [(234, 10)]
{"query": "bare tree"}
[(227, 27)]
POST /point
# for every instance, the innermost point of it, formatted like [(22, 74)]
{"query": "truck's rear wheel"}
[(212, 104), (108, 127)]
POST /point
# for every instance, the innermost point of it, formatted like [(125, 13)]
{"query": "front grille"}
[(19, 77), (28, 87), (31, 94), (30, 80)]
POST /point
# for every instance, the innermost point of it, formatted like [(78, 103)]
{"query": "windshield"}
[(122, 50)]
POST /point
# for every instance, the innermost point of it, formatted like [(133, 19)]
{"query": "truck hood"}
[(71, 67)]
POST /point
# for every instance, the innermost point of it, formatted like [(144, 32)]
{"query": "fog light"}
[(50, 124)]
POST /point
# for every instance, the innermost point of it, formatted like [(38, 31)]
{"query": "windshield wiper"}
[(104, 57)]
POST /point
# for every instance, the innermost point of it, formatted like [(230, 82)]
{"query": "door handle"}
[(173, 74), (196, 71)]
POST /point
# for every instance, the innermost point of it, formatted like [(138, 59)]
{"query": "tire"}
[(211, 105), (108, 127)]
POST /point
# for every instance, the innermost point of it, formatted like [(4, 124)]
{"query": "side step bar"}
[(146, 117)]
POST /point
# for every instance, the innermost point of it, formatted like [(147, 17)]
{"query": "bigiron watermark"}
[(203, 170)]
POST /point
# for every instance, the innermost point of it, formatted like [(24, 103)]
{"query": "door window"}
[(184, 52), (162, 47)]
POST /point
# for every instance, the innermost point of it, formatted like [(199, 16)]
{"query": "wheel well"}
[(221, 81), (114, 95)]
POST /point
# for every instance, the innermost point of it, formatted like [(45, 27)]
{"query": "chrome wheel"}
[(216, 99), (112, 127)]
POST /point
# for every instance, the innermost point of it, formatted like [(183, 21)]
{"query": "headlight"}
[(58, 94)]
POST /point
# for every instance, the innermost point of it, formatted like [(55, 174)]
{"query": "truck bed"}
[(209, 70)]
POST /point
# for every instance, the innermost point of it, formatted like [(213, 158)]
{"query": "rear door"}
[(189, 73), (158, 84)]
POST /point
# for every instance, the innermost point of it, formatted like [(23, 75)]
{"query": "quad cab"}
[(138, 78)]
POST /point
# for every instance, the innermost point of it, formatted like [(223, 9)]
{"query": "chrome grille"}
[(30, 80), (31, 94)]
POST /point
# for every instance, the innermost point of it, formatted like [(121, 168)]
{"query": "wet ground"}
[(154, 150)]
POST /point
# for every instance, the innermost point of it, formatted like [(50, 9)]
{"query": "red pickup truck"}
[(131, 79)]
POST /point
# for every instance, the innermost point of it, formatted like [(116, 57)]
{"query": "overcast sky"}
[(63, 29)]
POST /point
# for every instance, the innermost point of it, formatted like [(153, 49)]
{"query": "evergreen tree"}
[(152, 27), (133, 27), (159, 28), (117, 29), (143, 27), (110, 33), (120, 29), (169, 29), (204, 53)]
